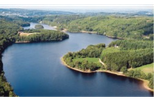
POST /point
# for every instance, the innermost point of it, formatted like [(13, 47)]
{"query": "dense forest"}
[(113, 26), (124, 26), (20, 21), (8, 32), (125, 54), (128, 53), (132, 44), (129, 59), (8, 29)]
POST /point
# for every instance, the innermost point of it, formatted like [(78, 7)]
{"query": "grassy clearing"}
[(94, 60), (25, 34), (109, 50), (149, 68)]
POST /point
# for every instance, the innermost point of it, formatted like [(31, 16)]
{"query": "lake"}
[(35, 69)]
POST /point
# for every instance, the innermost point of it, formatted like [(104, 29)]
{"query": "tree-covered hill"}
[(130, 54), (125, 55), (8, 28), (7, 33), (132, 44), (113, 26)]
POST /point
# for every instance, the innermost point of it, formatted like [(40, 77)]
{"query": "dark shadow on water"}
[(83, 75), (58, 41), (74, 72), (122, 78), (6, 49), (131, 80), (88, 75), (115, 77), (140, 84)]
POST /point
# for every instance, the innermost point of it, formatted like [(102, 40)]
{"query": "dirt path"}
[(102, 62)]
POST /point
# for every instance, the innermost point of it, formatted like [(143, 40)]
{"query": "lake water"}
[(32, 26), (35, 69)]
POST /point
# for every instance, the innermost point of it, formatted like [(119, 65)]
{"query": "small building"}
[(116, 46)]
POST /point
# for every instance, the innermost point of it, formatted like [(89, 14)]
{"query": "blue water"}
[(35, 69)]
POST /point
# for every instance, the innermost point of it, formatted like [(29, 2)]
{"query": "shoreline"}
[(94, 32), (89, 32), (64, 63), (145, 82), (20, 42)]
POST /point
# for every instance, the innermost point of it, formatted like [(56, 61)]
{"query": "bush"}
[(123, 69), (39, 27)]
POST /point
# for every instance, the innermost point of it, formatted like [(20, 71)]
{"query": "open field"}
[(94, 60), (146, 68), (25, 34), (109, 50)]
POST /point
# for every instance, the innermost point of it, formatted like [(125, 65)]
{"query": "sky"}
[(80, 7)]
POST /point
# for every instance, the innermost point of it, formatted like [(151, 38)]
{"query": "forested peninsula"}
[(115, 26), (121, 57)]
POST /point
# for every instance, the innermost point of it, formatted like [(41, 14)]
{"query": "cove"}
[(35, 69)]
